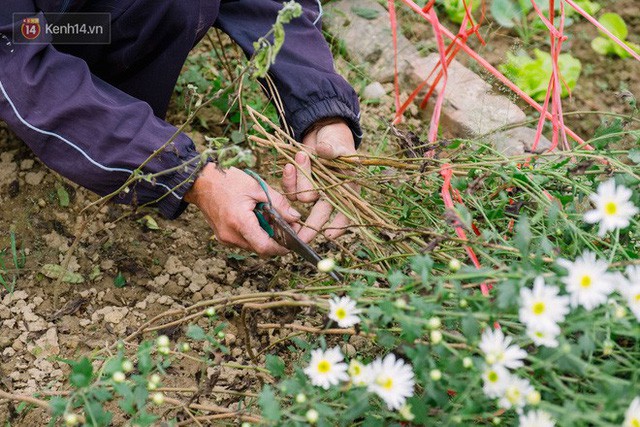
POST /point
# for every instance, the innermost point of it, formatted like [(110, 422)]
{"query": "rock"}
[(518, 141), (34, 178), (368, 41), (208, 291), (8, 169), (470, 108), (26, 164), (374, 90), (198, 281), (56, 241), (5, 313), (112, 315), (175, 266), (349, 350)]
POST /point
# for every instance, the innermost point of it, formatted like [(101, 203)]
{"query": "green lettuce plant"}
[(456, 11), (532, 74), (604, 45)]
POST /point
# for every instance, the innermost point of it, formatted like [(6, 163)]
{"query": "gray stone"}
[(374, 90), (518, 141), (369, 41), (470, 108), (34, 178)]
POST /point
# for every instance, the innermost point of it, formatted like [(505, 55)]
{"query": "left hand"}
[(329, 139)]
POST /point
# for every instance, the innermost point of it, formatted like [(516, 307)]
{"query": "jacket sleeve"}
[(303, 72), (84, 128)]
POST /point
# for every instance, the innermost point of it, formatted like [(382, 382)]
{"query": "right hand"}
[(227, 199)]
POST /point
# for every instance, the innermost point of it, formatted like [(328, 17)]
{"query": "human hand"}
[(328, 139), (227, 199)]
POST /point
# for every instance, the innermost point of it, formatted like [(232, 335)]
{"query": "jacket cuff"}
[(172, 204), (304, 118)]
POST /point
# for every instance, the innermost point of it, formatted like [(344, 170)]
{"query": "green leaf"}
[(614, 23), (144, 419), (634, 155), (126, 403), (54, 271), (95, 415), (506, 13), (269, 404), (81, 373), (149, 222), (275, 365), (57, 405), (63, 196), (608, 133), (602, 46), (119, 281), (470, 327), (145, 363), (366, 12), (522, 236), (195, 332)]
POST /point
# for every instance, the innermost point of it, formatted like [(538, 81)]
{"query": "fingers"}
[(280, 203), (259, 240), (289, 179), (334, 140), (306, 192), (337, 227), (318, 217)]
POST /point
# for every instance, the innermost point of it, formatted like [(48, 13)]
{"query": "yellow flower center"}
[(385, 382), (611, 208), (355, 370), (513, 394), (637, 298), (538, 308), (635, 422), (492, 376), (341, 313), (324, 367), (585, 282), (539, 334)]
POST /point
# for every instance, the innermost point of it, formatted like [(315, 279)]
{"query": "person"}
[(95, 113)]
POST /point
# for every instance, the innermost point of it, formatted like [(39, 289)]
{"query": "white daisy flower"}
[(515, 393), (496, 378), (497, 349), (537, 418), (632, 416), (542, 305), (326, 368), (359, 373), (588, 281), (392, 380), (631, 290), (344, 312), (613, 207), (544, 335)]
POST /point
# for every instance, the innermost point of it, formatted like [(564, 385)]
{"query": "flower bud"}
[(301, 398), (467, 362), (312, 416), (164, 350), (127, 365), (326, 265), (118, 377), (185, 347), (436, 337), (435, 374), (434, 323), (221, 335), (463, 303), (71, 419), (534, 398), (454, 265), (155, 379), (157, 398), (210, 312), (496, 421), (400, 303), (405, 412), (490, 359), (163, 341), (620, 312), (607, 347)]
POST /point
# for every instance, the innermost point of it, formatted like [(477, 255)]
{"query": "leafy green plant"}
[(532, 74), (456, 10), (9, 276), (604, 45)]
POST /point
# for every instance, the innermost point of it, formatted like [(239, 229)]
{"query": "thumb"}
[(283, 207), (334, 140)]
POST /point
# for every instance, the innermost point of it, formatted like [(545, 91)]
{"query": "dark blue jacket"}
[(95, 113)]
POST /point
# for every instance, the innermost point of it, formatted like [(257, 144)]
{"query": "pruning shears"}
[(280, 230)]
